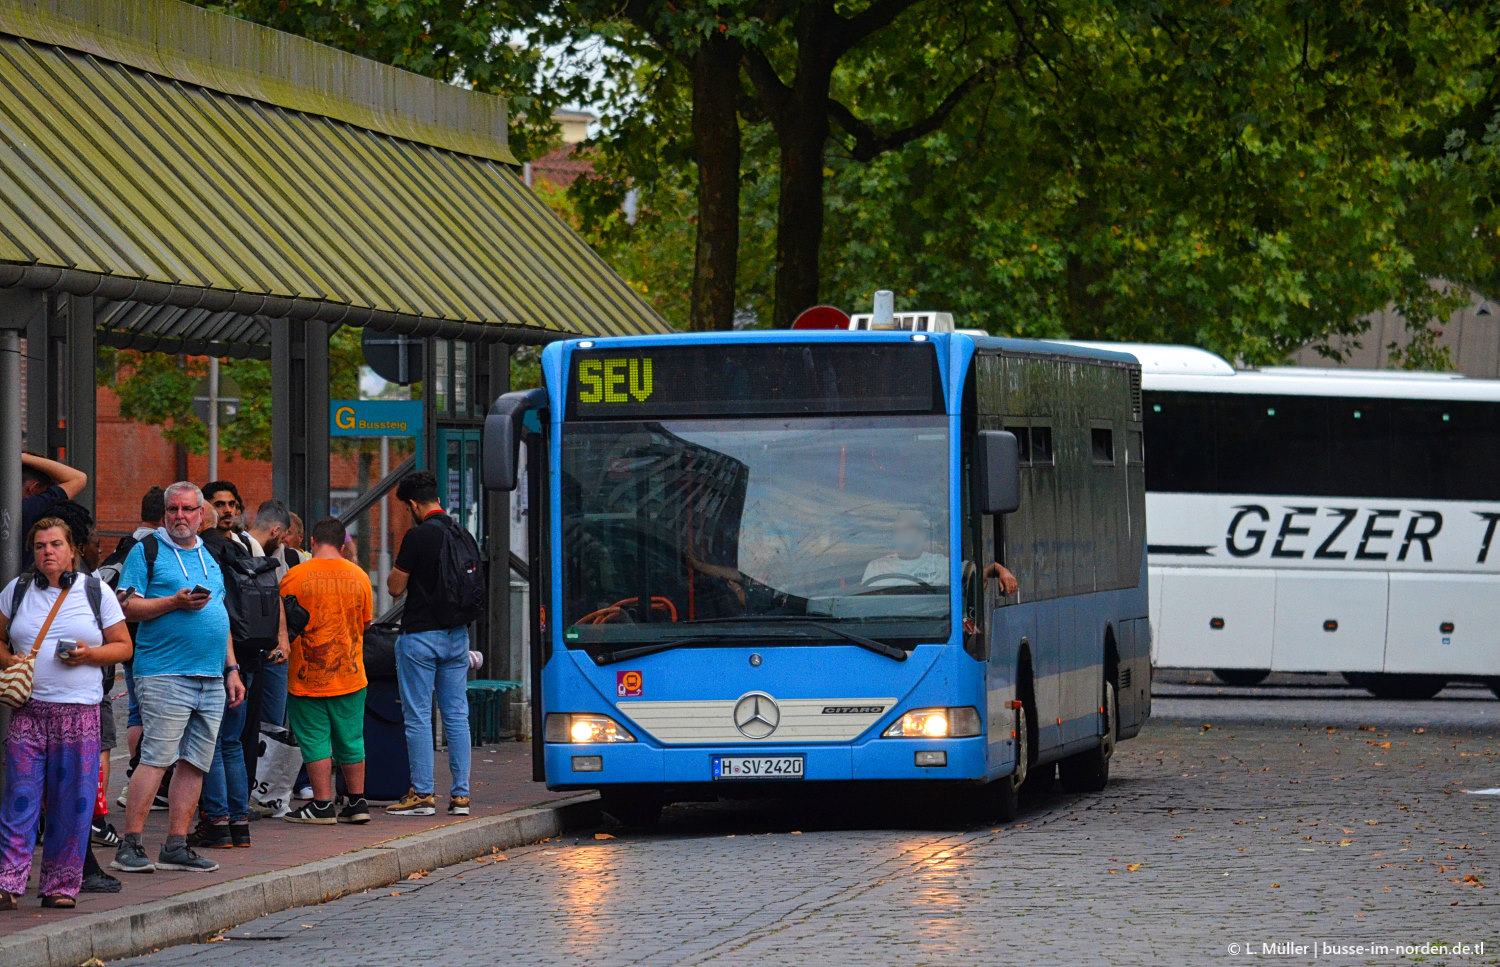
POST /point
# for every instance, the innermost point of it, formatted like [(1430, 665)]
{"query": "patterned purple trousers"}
[(51, 756)]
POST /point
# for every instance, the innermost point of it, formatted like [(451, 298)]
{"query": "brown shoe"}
[(413, 804), (458, 806)]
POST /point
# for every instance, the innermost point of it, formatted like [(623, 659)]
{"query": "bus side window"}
[(1023, 442), (1041, 446)]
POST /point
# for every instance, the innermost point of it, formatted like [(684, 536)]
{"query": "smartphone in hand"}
[(200, 590), (66, 645), (125, 594)]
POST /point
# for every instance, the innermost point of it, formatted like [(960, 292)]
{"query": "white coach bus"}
[(1311, 520)]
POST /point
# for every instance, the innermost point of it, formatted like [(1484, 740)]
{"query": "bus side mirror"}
[(998, 472), (501, 449)]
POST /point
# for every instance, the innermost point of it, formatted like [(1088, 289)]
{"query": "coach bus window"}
[(1359, 448), (1180, 432)]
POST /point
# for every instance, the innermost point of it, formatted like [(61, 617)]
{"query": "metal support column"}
[(18, 309), (299, 416), (40, 400), (495, 380), (80, 417)]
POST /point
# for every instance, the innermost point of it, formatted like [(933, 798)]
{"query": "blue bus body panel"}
[(935, 675)]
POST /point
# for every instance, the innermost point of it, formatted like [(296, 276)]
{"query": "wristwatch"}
[(231, 668)]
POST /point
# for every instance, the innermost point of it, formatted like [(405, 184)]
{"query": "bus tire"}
[(1007, 790), (1495, 686), (1242, 677), (1089, 771), (1398, 687), (631, 807)]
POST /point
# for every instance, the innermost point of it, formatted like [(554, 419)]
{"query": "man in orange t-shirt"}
[(326, 675)]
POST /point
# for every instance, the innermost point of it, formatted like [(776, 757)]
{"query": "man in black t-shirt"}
[(432, 655), (45, 483)]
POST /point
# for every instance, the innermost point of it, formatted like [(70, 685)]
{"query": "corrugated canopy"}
[(198, 216)]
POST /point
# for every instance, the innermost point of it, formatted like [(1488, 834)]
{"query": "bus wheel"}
[(1406, 687), (1089, 771), (1241, 676), (1495, 686), (1007, 790), (630, 807)]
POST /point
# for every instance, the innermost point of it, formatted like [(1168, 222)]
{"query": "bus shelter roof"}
[(202, 176)]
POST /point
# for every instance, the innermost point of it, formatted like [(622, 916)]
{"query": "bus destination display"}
[(754, 380)]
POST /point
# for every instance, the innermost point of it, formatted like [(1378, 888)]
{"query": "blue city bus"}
[(773, 561)]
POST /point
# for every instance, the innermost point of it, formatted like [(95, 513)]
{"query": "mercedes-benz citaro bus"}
[(771, 562), (1322, 520)]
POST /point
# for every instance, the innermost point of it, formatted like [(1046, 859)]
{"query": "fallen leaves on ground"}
[(603, 836)]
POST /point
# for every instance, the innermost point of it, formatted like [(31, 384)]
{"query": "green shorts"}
[(329, 726)]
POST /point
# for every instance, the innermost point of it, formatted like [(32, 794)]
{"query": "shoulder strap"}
[(41, 636), (23, 584), (93, 589), (152, 547)]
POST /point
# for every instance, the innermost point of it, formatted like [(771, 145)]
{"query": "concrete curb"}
[(189, 917)]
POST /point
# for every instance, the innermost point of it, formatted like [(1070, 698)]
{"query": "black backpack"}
[(461, 590), (252, 596), (110, 567)]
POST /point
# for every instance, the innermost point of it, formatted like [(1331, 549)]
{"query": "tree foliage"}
[(1244, 176)]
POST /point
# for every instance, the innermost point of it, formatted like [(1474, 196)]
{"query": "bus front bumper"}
[(587, 766)]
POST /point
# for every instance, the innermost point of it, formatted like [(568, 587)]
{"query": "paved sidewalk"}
[(288, 865)]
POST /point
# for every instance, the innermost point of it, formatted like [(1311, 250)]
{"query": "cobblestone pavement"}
[(1243, 825)]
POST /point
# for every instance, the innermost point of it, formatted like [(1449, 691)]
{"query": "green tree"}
[(157, 389)]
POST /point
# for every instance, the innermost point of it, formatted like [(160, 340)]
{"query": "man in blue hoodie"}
[(184, 669)]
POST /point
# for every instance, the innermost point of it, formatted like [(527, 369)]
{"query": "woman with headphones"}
[(52, 753)]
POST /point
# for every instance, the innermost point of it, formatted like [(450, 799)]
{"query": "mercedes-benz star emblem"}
[(756, 715)]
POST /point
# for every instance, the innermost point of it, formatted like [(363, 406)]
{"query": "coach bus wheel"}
[(1241, 676), (1089, 771), (1495, 686), (631, 808), (1007, 790), (1406, 687)]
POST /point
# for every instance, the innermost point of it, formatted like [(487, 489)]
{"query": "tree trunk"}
[(716, 146), (803, 137)]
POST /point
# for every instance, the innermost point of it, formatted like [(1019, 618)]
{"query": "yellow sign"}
[(614, 380)]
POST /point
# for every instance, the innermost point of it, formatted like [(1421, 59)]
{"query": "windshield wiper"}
[(625, 654), (869, 644)]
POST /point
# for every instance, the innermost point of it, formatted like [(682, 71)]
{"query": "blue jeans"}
[(428, 661), (226, 788), (273, 695), (133, 716)]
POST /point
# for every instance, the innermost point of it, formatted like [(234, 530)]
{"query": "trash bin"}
[(486, 716)]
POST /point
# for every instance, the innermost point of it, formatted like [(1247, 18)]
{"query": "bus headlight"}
[(581, 728), (936, 723)]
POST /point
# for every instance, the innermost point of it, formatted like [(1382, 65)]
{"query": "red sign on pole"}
[(822, 317)]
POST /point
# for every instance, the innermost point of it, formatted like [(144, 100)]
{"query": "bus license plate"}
[(758, 766)]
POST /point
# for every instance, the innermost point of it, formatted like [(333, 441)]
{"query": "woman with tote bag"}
[(61, 623)]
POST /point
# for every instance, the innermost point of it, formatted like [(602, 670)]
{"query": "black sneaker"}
[(320, 814), (210, 836), (239, 834), (183, 858), (102, 833), (131, 857), (100, 882), (355, 810)]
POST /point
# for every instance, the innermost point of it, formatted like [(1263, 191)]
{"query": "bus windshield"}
[(728, 528)]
